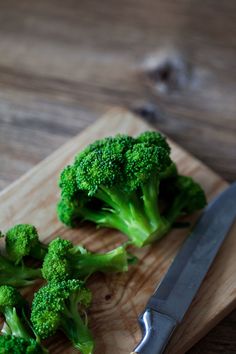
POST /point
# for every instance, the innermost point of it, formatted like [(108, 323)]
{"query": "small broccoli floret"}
[(22, 240), (15, 345), (9, 297), (170, 172), (64, 261), (61, 306), (56, 268), (60, 246), (68, 182), (115, 182), (154, 138), (71, 212), (187, 196), (17, 275), (16, 336)]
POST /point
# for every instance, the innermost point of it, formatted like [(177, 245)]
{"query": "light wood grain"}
[(118, 299), (63, 62)]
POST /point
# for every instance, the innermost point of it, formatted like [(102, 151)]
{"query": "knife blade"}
[(167, 306)]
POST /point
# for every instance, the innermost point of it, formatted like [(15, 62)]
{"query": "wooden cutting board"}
[(118, 299)]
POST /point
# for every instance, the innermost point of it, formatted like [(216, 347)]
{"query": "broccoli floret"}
[(23, 240), (109, 177), (71, 212), (16, 335), (186, 196), (64, 261), (17, 275), (170, 172), (15, 345), (115, 182), (62, 306), (154, 138)]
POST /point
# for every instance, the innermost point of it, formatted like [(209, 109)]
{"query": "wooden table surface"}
[(63, 63)]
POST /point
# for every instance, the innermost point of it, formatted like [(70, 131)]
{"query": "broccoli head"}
[(23, 240), (16, 335), (16, 345), (115, 182), (64, 261), (184, 195), (62, 306)]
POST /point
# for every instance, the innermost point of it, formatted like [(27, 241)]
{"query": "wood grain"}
[(63, 62), (118, 299)]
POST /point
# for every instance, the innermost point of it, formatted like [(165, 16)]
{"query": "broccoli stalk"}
[(17, 275), (16, 333), (138, 218), (61, 306), (64, 261), (78, 332), (86, 263), (115, 182)]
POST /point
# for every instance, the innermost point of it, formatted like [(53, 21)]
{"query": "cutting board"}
[(118, 299)]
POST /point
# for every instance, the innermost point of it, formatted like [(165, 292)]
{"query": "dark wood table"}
[(63, 63)]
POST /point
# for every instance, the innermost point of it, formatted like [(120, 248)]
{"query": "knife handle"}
[(157, 329)]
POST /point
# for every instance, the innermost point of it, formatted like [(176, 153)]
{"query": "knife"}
[(167, 306)]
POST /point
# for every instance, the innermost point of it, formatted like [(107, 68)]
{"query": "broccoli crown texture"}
[(17, 275), (61, 306), (9, 297), (185, 197), (115, 182), (109, 165), (64, 261), (15, 345), (23, 240), (19, 241), (192, 192)]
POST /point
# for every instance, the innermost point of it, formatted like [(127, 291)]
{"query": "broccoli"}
[(15, 345), (64, 261), (115, 182), (23, 240), (17, 275), (16, 336), (61, 306), (182, 196)]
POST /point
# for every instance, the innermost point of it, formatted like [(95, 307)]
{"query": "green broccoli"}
[(64, 261), (186, 196), (16, 335), (23, 240), (115, 182), (17, 275), (61, 306), (15, 345)]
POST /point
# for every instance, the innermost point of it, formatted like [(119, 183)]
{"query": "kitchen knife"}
[(172, 298)]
